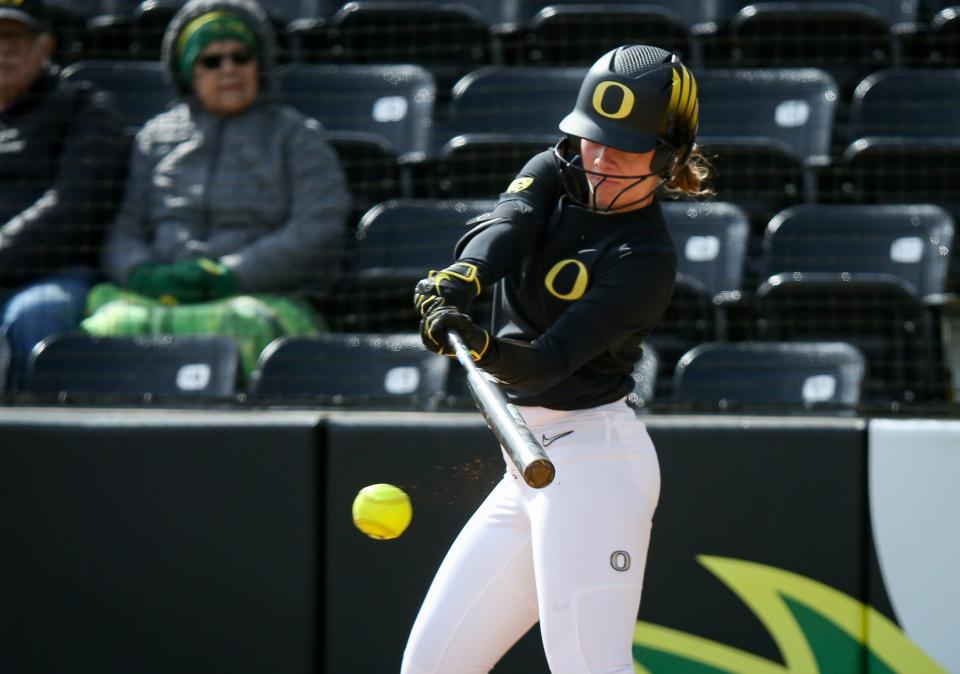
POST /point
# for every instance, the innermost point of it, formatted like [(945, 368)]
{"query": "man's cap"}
[(32, 13)]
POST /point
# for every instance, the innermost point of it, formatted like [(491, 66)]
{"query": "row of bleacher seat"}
[(772, 133), (451, 38), (394, 370), (873, 275)]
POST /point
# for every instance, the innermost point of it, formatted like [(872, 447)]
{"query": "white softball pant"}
[(571, 555)]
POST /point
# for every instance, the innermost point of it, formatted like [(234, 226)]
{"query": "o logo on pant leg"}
[(620, 560), (626, 105)]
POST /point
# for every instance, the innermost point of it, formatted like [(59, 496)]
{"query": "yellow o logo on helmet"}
[(626, 105), (579, 284)]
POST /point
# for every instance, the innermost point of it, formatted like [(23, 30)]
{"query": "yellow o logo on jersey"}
[(520, 184), (579, 284), (626, 105)]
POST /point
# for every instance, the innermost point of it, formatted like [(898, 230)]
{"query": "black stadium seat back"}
[(889, 12), (148, 23), (352, 369), (881, 314), (520, 100), (482, 165), (848, 39), (903, 169), (412, 234), (492, 132), (861, 273), (80, 365), (447, 38), (370, 163), (907, 102), (806, 374), (555, 35), (762, 129), (711, 241), (398, 242), (68, 22), (794, 107), (392, 101), (687, 12), (138, 88), (910, 242), (945, 37)]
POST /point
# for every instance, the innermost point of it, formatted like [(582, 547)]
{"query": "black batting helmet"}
[(638, 98)]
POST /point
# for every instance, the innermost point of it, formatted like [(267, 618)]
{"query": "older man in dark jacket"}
[(60, 150)]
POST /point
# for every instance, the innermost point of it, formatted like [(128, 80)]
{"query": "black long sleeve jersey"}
[(576, 291)]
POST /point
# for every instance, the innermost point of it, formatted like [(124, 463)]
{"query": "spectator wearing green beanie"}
[(207, 28), (234, 203)]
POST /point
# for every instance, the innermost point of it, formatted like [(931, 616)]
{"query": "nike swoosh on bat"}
[(545, 441)]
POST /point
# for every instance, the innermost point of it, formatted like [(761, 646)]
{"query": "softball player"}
[(585, 268)]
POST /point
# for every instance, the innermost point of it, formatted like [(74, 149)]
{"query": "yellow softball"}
[(382, 511)]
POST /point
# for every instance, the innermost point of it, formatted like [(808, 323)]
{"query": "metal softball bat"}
[(505, 421)]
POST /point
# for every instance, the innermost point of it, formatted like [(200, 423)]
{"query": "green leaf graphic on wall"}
[(817, 629)]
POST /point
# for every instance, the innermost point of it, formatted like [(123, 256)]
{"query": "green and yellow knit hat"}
[(207, 28)]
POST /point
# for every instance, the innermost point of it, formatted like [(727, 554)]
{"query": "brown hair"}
[(692, 180)]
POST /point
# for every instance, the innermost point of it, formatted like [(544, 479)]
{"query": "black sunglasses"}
[(214, 61)]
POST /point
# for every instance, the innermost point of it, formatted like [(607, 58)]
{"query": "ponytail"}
[(692, 180)]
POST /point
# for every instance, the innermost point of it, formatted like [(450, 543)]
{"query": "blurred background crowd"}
[(226, 202)]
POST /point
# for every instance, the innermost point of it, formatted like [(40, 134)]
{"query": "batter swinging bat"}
[(505, 421)]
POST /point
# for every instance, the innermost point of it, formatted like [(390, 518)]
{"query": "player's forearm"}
[(495, 251), (536, 366)]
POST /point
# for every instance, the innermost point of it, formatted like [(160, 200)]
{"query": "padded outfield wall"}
[(156, 541)]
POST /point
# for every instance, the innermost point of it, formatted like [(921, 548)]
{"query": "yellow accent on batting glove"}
[(456, 286), (436, 324)]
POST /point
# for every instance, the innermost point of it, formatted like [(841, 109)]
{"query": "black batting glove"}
[(434, 327), (455, 286)]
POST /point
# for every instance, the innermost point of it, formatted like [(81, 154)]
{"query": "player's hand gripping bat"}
[(505, 421)]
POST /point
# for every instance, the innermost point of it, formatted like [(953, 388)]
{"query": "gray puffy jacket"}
[(262, 192)]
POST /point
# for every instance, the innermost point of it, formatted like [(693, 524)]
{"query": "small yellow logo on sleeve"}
[(519, 185)]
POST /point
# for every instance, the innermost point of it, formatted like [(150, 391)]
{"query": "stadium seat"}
[(491, 133), (138, 88), (577, 34), (77, 366), (4, 362), (730, 376), (688, 13), (392, 104), (765, 132), (372, 168), (711, 240), (398, 242), (847, 39), (906, 143), (392, 101), (870, 275), (907, 102), (352, 369), (449, 39), (945, 37)]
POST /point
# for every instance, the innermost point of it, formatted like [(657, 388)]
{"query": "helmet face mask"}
[(576, 179), (635, 98)]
